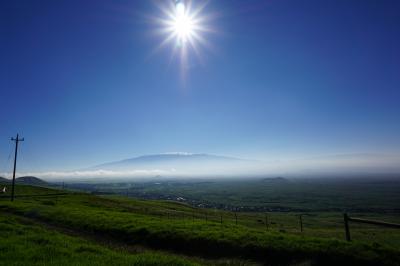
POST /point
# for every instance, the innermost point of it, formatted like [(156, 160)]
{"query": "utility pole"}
[(301, 223), (15, 163), (346, 226)]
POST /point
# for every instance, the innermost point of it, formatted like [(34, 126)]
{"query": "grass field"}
[(184, 230), (24, 243), (321, 202)]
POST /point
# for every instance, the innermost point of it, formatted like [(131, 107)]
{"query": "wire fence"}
[(302, 224)]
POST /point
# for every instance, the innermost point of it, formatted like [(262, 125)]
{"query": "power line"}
[(4, 163), (17, 140)]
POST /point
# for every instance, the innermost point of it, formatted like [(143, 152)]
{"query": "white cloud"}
[(178, 153), (94, 173)]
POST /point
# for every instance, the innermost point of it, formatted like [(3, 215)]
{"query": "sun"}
[(184, 25)]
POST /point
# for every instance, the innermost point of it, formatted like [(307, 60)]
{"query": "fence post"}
[(301, 223), (346, 226), (221, 219), (266, 221)]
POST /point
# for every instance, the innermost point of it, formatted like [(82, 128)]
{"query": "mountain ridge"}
[(166, 159), (24, 180)]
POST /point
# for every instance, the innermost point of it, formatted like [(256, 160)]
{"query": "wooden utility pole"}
[(17, 140), (346, 226), (301, 223)]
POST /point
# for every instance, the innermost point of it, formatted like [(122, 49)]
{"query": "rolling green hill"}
[(4, 180), (25, 180), (30, 180), (175, 228), (22, 242)]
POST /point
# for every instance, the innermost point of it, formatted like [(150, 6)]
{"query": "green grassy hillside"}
[(24, 243), (320, 201), (182, 229)]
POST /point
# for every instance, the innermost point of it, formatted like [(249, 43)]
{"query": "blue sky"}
[(282, 79)]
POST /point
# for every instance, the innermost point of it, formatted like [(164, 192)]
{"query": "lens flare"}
[(184, 25)]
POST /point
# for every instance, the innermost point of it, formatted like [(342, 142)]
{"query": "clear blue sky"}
[(81, 82)]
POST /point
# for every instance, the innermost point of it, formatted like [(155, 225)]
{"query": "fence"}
[(348, 219), (304, 224)]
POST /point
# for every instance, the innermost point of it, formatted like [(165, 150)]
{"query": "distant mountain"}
[(167, 159), (4, 180), (30, 180), (278, 179), (24, 180), (187, 162)]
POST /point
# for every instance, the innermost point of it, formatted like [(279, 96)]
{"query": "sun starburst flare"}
[(184, 26)]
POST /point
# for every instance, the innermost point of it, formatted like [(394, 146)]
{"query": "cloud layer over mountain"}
[(173, 165)]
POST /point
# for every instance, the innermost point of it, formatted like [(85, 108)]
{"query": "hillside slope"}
[(24, 243), (185, 230)]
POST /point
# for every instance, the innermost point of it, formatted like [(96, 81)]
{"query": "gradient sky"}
[(80, 80)]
